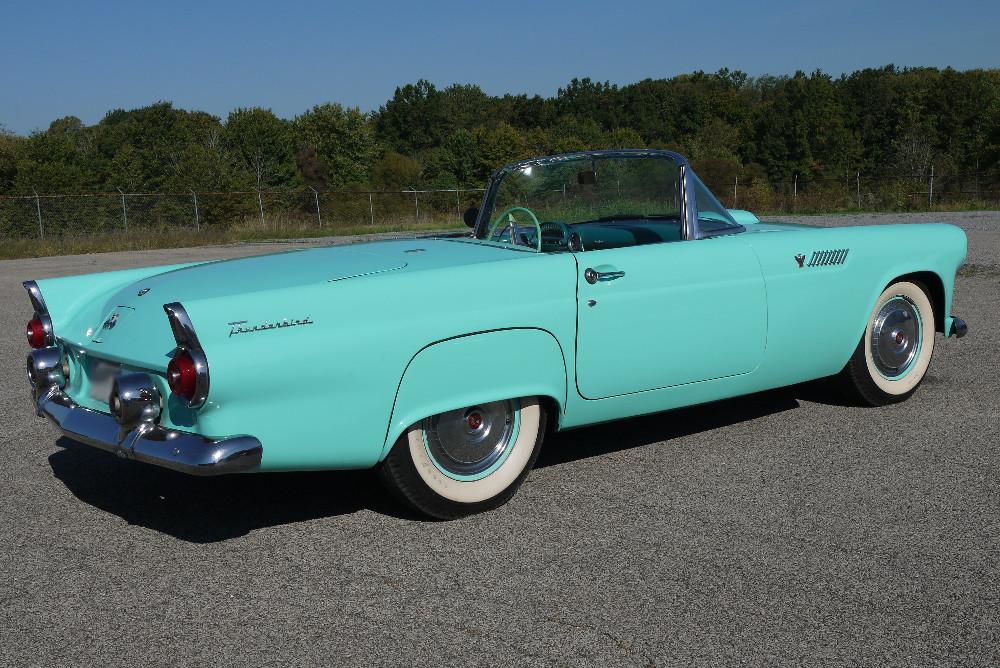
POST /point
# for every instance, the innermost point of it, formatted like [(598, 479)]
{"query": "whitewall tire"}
[(466, 460), (893, 356)]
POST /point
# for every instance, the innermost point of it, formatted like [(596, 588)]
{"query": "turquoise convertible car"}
[(594, 286)]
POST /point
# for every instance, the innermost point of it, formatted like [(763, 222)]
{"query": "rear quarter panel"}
[(322, 395)]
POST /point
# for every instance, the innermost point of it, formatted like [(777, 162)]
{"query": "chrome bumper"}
[(149, 442)]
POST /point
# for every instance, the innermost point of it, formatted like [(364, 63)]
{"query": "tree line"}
[(809, 127)]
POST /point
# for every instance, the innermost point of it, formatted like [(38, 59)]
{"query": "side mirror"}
[(471, 215)]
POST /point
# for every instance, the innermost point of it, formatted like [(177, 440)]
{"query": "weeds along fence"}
[(47, 214), (856, 191)]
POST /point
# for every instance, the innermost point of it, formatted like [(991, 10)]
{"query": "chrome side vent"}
[(826, 258)]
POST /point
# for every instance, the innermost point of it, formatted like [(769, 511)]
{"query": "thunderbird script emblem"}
[(801, 259), (143, 291), (241, 326), (110, 322)]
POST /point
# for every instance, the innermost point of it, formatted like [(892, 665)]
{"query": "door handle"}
[(593, 276)]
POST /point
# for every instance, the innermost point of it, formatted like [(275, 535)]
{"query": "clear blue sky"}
[(63, 58)]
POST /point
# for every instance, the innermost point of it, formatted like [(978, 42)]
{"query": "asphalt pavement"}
[(784, 528)]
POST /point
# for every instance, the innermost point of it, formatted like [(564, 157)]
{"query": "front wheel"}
[(892, 357), (466, 460)]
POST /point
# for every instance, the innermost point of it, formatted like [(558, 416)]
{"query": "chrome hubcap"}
[(895, 337), (469, 441)]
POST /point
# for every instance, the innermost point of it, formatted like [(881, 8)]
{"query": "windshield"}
[(560, 204)]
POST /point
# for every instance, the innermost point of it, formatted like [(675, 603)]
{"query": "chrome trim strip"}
[(184, 335), (688, 208), (35, 295), (152, 443), (181, 325), (41, 310)]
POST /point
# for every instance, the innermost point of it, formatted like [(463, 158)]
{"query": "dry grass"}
[(249, 230)]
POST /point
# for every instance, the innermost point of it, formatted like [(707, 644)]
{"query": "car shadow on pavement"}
[(647, 429), (212, 509), (208, 510)]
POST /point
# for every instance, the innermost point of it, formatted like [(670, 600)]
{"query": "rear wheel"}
[(892, 357), (467, 460)]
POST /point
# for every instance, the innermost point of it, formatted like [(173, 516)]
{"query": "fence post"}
[(977, 179), (930, 191), (416, 206), (859, 189), (38, 210), (195, 196), (736, 186), (124, 211), (319, 216), (260, 204), (458, 203), (371, 208)]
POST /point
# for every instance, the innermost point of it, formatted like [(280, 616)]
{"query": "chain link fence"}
[(857, 191), (41, 215)]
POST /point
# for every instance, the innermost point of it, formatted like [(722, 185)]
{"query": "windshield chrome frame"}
[(688, 205)]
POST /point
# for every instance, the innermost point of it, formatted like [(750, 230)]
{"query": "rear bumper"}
[(149, 442)]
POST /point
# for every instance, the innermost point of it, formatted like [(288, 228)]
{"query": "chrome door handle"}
[(593, 276)]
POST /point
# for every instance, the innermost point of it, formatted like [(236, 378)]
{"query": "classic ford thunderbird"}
[(593, 286)]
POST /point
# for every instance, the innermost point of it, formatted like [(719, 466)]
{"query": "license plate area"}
[(101, 376)]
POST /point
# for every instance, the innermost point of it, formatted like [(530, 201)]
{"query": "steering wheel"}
[(561, 228), (507, 219)]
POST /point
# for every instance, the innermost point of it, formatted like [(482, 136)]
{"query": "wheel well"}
[(552, 412), (935, 287)]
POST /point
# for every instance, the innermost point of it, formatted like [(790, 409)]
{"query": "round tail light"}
[(36, 333), (182, 375)]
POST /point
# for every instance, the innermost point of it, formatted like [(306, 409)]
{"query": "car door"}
[(667, 314)]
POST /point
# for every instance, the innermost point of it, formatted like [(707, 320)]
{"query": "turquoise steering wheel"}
[(507, 217)]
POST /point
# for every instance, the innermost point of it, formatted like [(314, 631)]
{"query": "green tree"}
[(395, 172), (151, 141), (261, 145), (497, 146), (458, 158), (342, 140), (11, 149), (413, 119)]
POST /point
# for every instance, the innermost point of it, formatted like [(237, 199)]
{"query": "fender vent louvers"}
[(826, 258)]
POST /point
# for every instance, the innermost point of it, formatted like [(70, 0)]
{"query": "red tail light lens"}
[(182, 375), (36, 333)]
